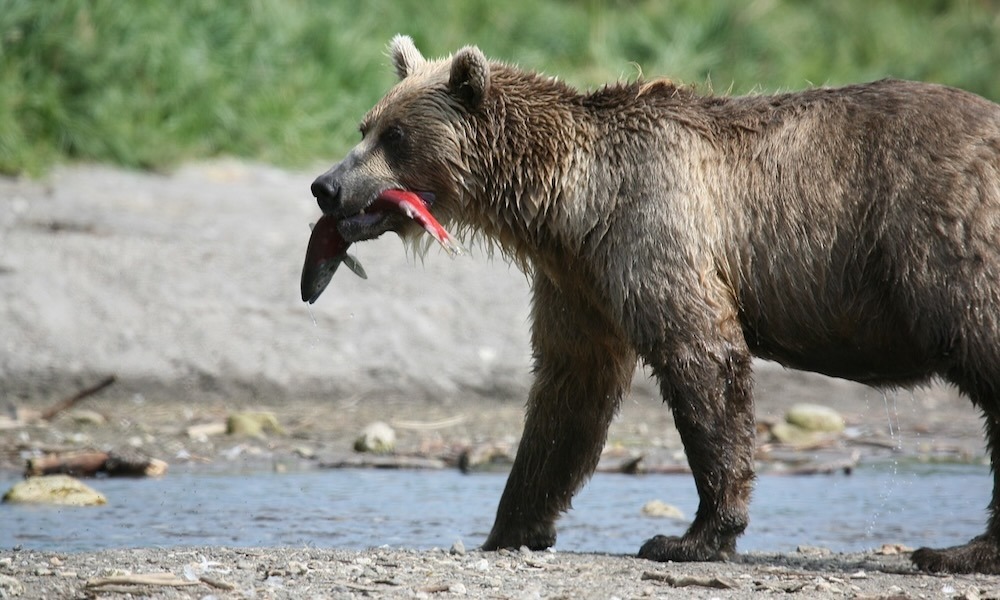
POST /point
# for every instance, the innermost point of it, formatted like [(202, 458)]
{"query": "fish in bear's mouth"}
[(327, 247)]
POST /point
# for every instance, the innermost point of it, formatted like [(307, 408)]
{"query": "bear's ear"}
[(470, 76), (405, 56)]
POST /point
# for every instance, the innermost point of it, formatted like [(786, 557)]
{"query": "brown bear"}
[(851, 231)]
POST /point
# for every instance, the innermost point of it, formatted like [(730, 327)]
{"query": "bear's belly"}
[(876, 355)]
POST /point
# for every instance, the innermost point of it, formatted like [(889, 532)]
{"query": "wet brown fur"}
[(851, 231)]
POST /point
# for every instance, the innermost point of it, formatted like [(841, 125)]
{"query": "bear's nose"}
[(327, 193)]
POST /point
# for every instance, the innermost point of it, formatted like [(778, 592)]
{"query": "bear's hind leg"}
[(708, 386), (582, 370), (982, 553)]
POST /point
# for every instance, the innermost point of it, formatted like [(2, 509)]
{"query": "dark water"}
[(914, 505)]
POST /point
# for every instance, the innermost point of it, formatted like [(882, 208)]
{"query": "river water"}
[(911, 504)]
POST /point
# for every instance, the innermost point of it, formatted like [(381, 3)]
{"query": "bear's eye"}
[(393, 135)]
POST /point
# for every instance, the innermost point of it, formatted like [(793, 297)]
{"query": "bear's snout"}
[(326, 190)]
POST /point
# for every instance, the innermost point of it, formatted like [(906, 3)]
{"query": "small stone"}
[(458, 588), (814, 551), (815, 417), (304, 452), (82, 416), (787, 433), (54, 489), (893, 549), (377, 438), (202, 431), (661, 510), (10, 586), (481, 565), (253, 424), (297, 568), (969, 594), (458, 548)]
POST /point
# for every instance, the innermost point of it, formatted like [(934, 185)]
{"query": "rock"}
[(253, 424), (815, 417), (489, 456), (304, 452), (814, 551), (202, 431), (661, 510), (793, 435), (54, 489), (10, 587), (377, 438), (82, 416), (458, 548), (893, 549)]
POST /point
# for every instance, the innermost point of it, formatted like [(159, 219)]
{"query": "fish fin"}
[(353, 264)]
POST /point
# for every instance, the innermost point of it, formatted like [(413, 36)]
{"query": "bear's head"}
[(414, 139)]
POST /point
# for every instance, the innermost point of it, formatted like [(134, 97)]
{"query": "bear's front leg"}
[(582, 370), (707, 384)]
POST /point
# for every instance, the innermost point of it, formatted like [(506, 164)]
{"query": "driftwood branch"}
[(90, 463), (54, 410), (164, 579)]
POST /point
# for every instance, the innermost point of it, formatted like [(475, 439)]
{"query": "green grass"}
[(151, 84)]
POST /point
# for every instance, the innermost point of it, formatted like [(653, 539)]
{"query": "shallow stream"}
[(911, 504)]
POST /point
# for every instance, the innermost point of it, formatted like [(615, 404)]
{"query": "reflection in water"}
[(915, 505)]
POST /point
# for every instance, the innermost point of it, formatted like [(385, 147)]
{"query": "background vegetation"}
[(149, 84)]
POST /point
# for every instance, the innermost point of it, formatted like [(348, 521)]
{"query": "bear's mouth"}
[(391, 210), (331, 237)]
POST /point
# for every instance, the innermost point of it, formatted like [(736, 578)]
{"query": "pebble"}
[(297, 568), (305, 452), (787, 433), (82, 416), (458, 548), (54, 489), (9, 586), (661, 510), (253, 424), (814, 551), (377, 438), (815, 417)]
